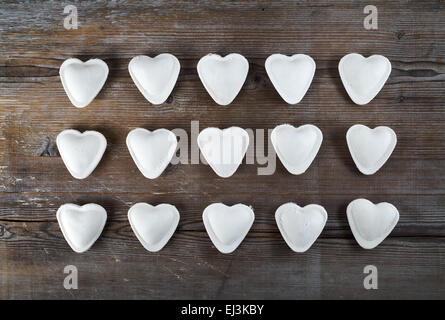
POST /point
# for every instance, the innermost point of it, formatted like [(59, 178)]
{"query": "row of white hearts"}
[(227, 226), (223, 77), (225, 149)]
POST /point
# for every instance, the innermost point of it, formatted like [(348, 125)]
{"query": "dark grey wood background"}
[(34, 181)]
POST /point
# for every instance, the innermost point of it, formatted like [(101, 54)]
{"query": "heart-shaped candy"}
[(151, 151), (291, 76), (223, 77), (227, 226), (371, 223), (363, 78), (296, 147), (81, 225), (153, 226), (223, 149), (82, 81), (81, 152), (370, 148), (300, 227), (155, 77)]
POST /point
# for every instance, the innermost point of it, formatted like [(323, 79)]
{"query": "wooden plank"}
[(38, 207), (252, 28), (323, 177), (262, 268)]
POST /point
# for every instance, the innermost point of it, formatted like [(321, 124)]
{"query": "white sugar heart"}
[(155, 77), (153, 226), (227, 226), (371, 223), (370, 148), (291, 76), (296, 147), (223, 77), (300, 227), (82, 81), (151, 151), (363, 78), (224, 150), (81, 152), (81, 225)]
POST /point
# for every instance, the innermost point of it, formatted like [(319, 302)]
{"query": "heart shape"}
[(296, 147), (82, 81), (370, 148), (223, 77), (227, 226), (153, 226), (371, 223), (151, 151), (223, 149), (300, 227), (363, 78), (291, 76), (81, 225), (155, 77), (81, 152)]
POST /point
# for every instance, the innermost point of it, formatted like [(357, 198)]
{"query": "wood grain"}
[(34, 182)]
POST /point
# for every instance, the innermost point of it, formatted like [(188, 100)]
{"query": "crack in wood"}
[(48, 148)]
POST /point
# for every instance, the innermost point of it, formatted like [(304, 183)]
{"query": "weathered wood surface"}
[(34, 181)]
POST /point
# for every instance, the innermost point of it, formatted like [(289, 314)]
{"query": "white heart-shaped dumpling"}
[(371, 223), (153, 225), (227, 226), (223, 77), (82, 81), (363, 78), (296, 147), (81, 225), (151, 151), (81, 152), (155, 77), (291, 76), (300, 227), (224, 150), (370, 148)]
